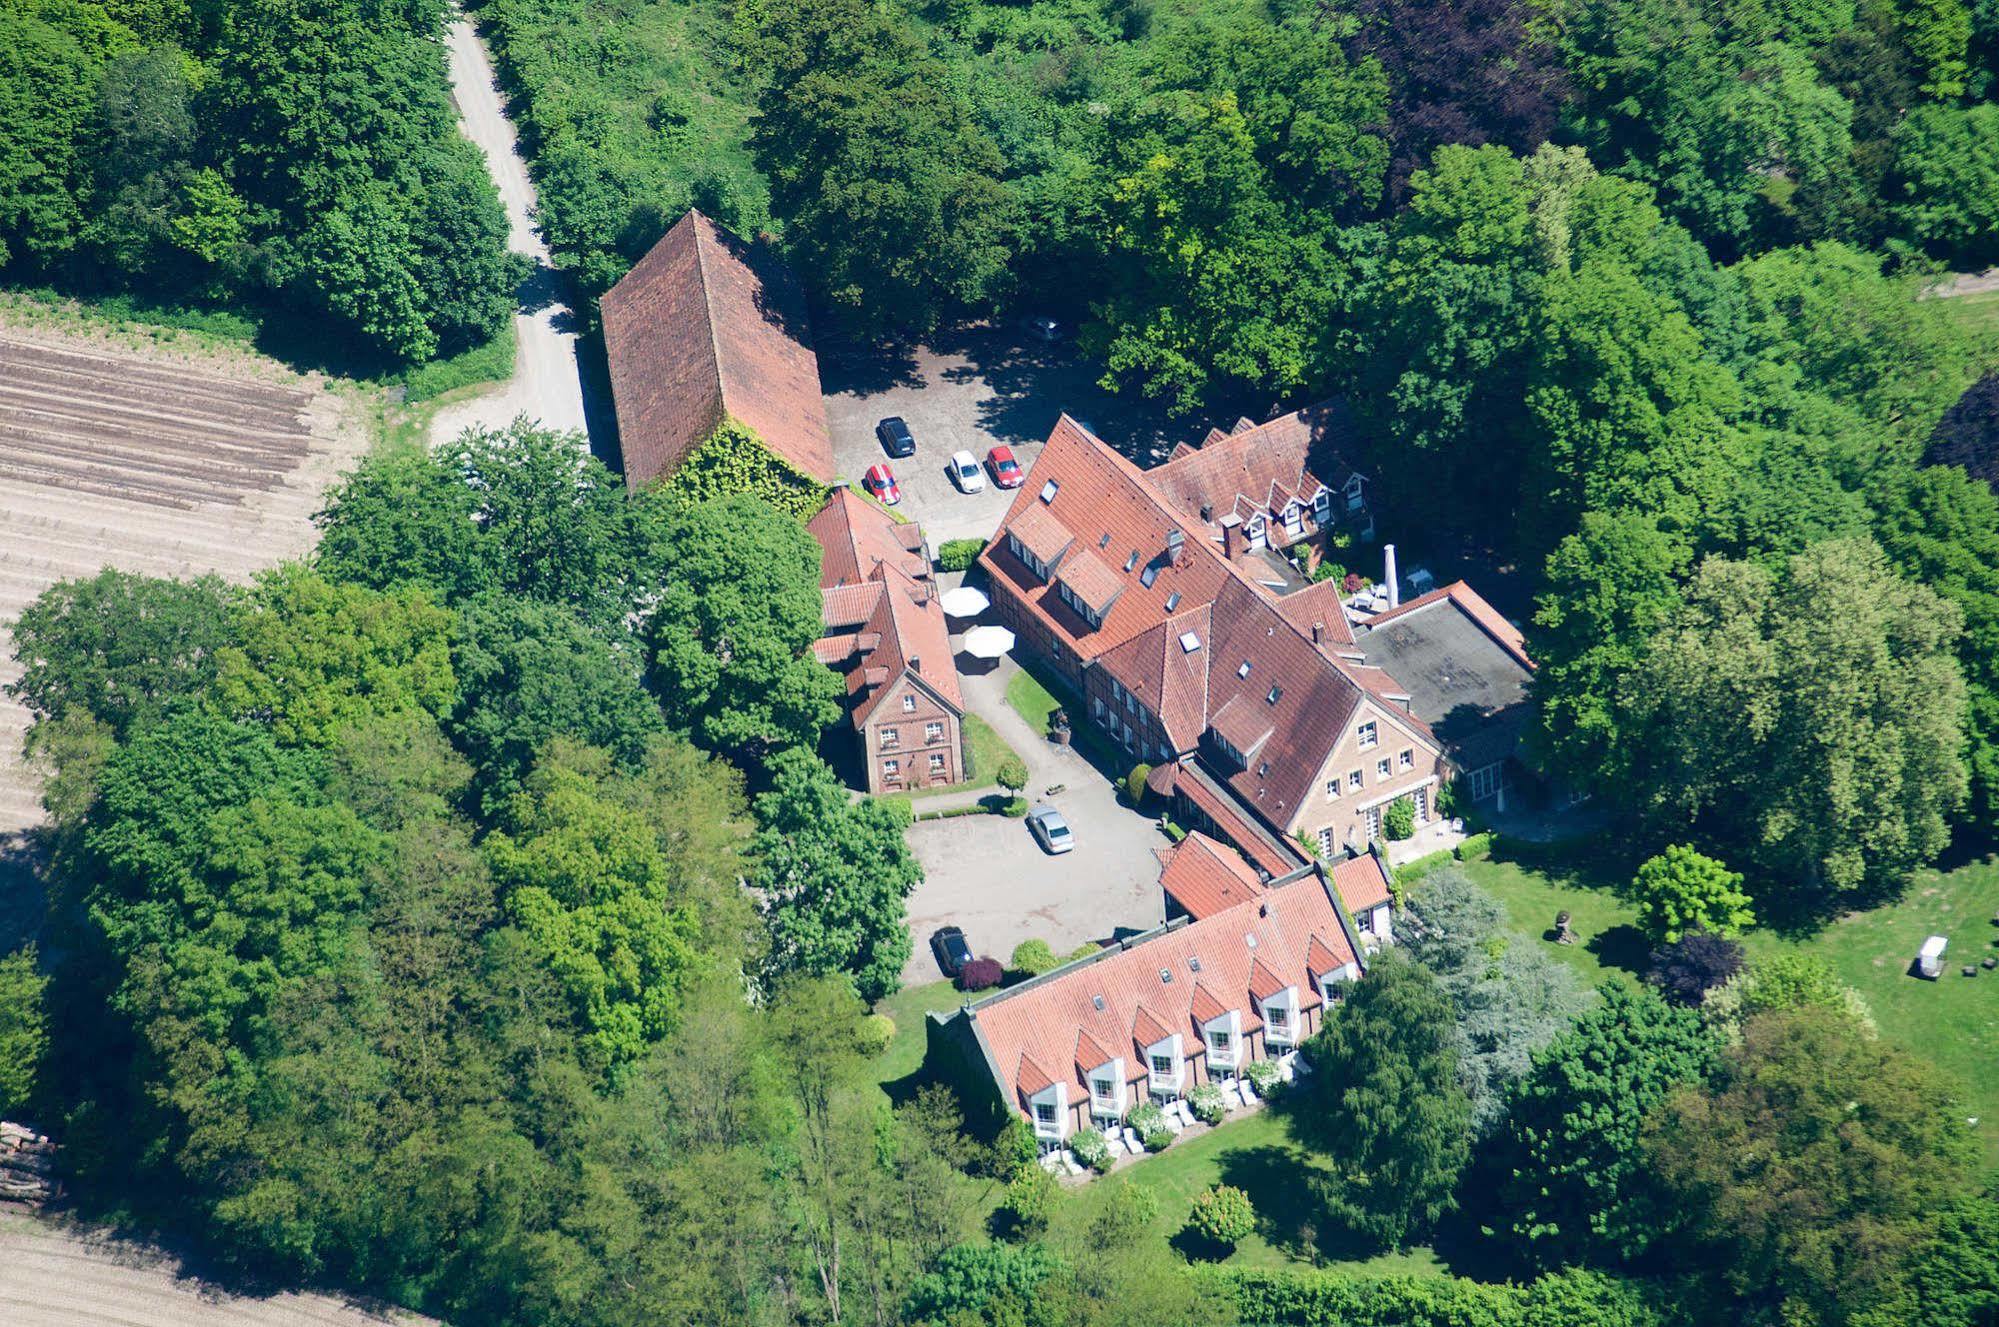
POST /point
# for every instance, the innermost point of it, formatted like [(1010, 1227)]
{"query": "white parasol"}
[(965, 601), (988, 642)]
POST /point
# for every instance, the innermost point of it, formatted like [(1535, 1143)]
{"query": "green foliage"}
[(1328, 1298), (490, 361), (529, 671), (876, 1035), (834, 873), (1012, 775), (1029, 1199), (1262, 1075), (1126, 1218), (1829, 713), (311, 655), (888, 186), (1809, 1169), (1398, 822), (1207, 1104), (1383, 1104), (1014, 1149), (119, 647), (959, 554), (1222, 1215), (732, 635), (1680, 890), (1475, 847), (24, 1037), (586, 872), (403, 518), (1781, 982), (1149, 1122), (973, 1278), (1031, 958), (734, 460), (1947, 162), (1510, 999), (1575, 1185), (1134, 784), (1091, 1149)]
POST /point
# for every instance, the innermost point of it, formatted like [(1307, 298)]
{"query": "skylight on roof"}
[(1172, 601), (1166, 976), (1049, 490), (1276, 694), (1098, 1001), (1244, 670), (1149, 575), (1131, 561), (1189, 642), (1105, 542), (1249, 939), (1193, 963)]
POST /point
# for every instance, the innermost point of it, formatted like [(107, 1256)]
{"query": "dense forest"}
[(297, 155)]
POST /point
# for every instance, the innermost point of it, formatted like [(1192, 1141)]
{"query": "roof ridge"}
[(693, 221)]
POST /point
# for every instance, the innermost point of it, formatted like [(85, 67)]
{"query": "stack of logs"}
[(27, 1165)]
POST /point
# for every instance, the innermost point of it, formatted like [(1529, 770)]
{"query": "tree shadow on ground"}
[(1277, 1177), (1622, 946), (865, 368)]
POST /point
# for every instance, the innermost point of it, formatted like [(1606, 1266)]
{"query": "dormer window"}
[(1322, 504)]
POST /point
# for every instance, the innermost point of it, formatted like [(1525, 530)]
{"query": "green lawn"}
[(989, 751), (1033, 699), (1953, 1023)]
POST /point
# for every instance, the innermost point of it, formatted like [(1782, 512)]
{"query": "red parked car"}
[(880, 481), (1006, 471)]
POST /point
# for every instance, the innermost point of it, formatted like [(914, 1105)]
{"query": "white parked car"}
[(1048, 826), (966, 473)]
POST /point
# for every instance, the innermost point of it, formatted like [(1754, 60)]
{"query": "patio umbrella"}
[(965, 601), (988, 642)]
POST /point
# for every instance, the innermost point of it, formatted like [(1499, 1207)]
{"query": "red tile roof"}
[(1204, 877), (1038, 532), (1263, 983), (1258, 467), (1089, 579), (1195, 785), (872, 578), (1362, 882), (1090, 1053), (1319, 605), (1042, 1021), (707, 327), (1322, 958), (855, 534)]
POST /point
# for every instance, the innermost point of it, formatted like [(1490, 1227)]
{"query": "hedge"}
[(1475, 848), (1302, 1298), (958, 554)]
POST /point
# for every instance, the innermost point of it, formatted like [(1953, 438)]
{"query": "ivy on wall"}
[(733, 459)]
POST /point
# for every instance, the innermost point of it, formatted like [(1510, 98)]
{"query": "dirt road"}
[(54, 1277), (546, 384)]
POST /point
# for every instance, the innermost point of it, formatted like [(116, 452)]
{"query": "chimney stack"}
[(1388, 574), (1233, 544), (1318, 633), (1207, 512), (1176, 545)]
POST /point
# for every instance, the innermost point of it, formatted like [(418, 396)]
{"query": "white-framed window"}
[(936, 762), (891, 769), (1162, 1066), (1034, 564), (1326, 843), (1381, 768), (1219, 1039), (1278, 1016), (1485, 781), (1354, 780), (1044, 1112), (1368, 735), (1322, 504), (1406, 760), (1105, 1090), (1333, 788), (1421, 797), (933, 732), (909, 704), (1372, 817), (1294, 518), (891, 738)]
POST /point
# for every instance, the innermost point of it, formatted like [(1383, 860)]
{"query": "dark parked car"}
[(896, 439), (951, 950)]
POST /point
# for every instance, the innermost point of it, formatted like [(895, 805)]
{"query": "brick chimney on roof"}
[(1234, 543)]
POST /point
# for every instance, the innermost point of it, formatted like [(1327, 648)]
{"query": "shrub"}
[(1134, 784), (1030, 1197), (1398, 822), (1014, 808), (1012, 774), (1126, 1218), (1222, 1215), (1149, 1122), (1686, 971), (1091, 1149), (875, 1033), (1262, 1075), (1354, 583), (958, 554), (980, 974), (1447, 798), (1682, 890), (1014, 1149), (1207, 1104), (1084, 950), (1785, 981), (1031, 958), (1328, 571), (1475, 848), (1309, 845)]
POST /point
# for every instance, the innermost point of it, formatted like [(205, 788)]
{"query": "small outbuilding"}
[(1929, 959)]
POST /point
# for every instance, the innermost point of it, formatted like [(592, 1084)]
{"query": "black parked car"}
[(896, 439), (951, 950)]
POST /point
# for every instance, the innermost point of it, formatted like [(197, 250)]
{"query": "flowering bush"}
[(1262, 1075), (1091, 1149), (1207, 1104), (1222, 1215), (1149, 1122)]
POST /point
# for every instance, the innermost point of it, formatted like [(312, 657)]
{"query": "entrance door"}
[(1372, 818)]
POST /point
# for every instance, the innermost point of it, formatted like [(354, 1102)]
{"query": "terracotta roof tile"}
[(1205, 877), (1263, 983), (1040, 533), (853, 534), (1319, 605), (1264, 848), (1043, 1021), (1242, 726), (1032, 1077), (1090, 1053), (707, 327), (1264, 464), (849, 605), (1321, 958), (1090, 579), (1361, 882), (1205, 1007)]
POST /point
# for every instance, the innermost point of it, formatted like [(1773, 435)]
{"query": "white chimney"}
[(1388, 575)]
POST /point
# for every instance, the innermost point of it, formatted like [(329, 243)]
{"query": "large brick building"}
[(1155, 596)]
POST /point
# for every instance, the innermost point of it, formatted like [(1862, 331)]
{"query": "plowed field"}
[(147, 459)]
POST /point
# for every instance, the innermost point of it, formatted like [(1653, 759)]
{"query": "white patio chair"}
[(1249, 1097), (1133, 1142), (1070, 1164)]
